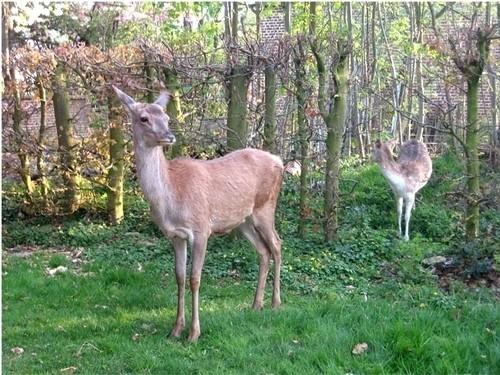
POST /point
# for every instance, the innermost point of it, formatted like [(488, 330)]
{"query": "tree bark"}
[(420, 79), (237, 127), (473, 69), (472, 142), (397, 89), (19, 138), (354, 123), (270, 108), (66, 144), (116, 156), (175, 112), (148, 74), (303, 134), (335, 122), (287, 16), (44, 184)]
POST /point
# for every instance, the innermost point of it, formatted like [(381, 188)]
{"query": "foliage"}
[(111, 311)]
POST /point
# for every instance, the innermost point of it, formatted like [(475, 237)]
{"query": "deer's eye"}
[(144, 119)]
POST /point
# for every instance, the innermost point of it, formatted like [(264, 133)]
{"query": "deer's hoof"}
[(193, 336), (257, 306), (177, 331)]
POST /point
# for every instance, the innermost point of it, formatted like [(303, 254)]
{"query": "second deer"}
[(407, 174), (192, 199)]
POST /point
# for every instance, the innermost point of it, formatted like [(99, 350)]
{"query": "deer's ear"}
[(163, 99), (127, 101)]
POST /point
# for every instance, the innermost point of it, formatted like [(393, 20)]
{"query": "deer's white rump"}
[(193, 199)]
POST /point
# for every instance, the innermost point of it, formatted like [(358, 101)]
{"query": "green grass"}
[(112, 313), (117, 321)]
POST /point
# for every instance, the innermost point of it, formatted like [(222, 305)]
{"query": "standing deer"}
[(406, 175), (192, 199)]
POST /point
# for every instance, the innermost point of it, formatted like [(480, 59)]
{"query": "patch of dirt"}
[(448, 272), (24, 251), (75, 255)]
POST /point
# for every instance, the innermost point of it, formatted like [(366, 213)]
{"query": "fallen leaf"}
[(17, 350), (54, 271), (136, 337), (360, 348), (78, 252), (432, 261), (69, 370)]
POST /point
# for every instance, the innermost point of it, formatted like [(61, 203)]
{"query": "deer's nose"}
[(166, 138)]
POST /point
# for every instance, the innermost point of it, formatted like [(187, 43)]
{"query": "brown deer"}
[(192, 199), (407, 174)]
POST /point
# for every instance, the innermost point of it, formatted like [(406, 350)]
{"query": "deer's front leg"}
[(180, 248), (399, 208), (198, 254), (409, 205)]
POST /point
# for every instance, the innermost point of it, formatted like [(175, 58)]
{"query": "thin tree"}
[(116, 157), (332, 104), (471, 59), (301, 94), (66, 143), (238, 79), (11, 79)]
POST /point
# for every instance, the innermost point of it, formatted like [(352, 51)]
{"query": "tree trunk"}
[(420, 78), (40, 163), (473, 72), (494, 104), (237, 127), (148, 74), (303, 136), (175, 112), (335, 123), (397, 89), (64, 128), (19, 139), (270, 109), (472, 142), (116, 155), (355, 123), (287, 16)]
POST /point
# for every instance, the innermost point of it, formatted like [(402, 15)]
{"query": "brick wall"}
[(80, 111)]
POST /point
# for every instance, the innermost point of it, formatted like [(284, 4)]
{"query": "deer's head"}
[(383, 148), (149, 121)]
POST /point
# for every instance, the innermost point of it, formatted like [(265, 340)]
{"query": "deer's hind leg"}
[(250, 232), (264, 224)]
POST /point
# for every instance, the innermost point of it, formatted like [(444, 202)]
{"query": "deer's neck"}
[(152, 173), (392, 172)]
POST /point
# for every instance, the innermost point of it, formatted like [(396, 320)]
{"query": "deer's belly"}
[(169, 228), (222, 224)]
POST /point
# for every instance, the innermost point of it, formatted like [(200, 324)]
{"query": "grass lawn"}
[(112, 312), (116, 320)]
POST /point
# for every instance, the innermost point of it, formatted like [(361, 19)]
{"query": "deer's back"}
[(415, 163), (227, 188)]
